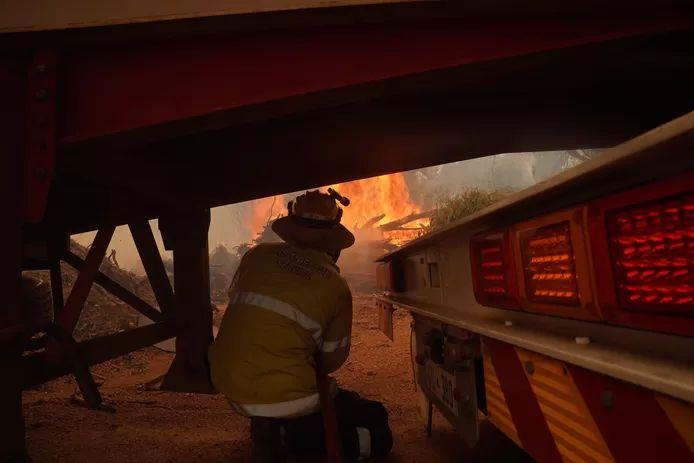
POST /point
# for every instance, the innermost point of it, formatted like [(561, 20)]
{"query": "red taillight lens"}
[(548, 264), (492, 268), (652, 251), (642, 243)]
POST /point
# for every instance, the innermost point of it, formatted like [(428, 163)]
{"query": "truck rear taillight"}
[(492, 269), (548, 264), (642, 243), (652, 253), (553, 263)]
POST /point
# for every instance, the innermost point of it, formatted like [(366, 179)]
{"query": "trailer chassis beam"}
[(37, 368), (12, 87)]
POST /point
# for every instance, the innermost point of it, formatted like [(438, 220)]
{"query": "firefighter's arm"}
[(337, 337)]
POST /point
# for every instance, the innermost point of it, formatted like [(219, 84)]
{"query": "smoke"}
[(230, 225), (502, 172), (394, 196), (122, 242)]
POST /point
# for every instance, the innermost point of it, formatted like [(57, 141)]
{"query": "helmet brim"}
[(325, 239)]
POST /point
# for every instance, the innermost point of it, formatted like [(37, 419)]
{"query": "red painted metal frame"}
[(12, 445), (120, 88), (634, 426), (528, 418), (631, 421), (39, 133), (604, 277)]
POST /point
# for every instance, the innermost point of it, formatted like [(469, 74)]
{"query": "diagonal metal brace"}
[(70, 314), (116, 289), (83, 375)]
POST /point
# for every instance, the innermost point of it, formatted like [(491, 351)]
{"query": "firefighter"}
[(289, 311)]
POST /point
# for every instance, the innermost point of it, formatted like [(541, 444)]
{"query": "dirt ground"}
[(157, 426)]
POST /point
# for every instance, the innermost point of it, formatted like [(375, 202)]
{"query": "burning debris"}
[(382, 216)]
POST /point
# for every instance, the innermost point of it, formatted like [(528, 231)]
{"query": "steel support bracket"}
[(39, 133)]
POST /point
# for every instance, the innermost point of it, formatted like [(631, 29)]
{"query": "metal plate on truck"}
[(385, 319), (451, 388), (441, 384)]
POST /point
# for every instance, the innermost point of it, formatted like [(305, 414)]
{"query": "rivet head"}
[(41, 173), (41, 94), (529, 368), (607, 399), (41, 68)]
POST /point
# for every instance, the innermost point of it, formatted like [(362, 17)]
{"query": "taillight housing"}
[(642, 244), (652, 250), (548, 264), (553, 266), (493, 271)]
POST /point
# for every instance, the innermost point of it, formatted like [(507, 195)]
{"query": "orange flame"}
[(387, 196), (262, 211), (371, 197)]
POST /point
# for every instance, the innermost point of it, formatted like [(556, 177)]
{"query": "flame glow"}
[(386, 198), (371, 197), (262, 211)]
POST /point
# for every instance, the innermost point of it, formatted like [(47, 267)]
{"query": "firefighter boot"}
[(266, 435)]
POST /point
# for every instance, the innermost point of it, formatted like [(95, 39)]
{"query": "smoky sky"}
[(506, 172)]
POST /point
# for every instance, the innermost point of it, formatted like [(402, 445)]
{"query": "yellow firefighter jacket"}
[(286, 305)]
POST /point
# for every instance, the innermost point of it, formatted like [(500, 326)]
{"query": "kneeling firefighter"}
[(288, 325)]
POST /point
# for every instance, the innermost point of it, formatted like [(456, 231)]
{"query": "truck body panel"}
[(566, 381)]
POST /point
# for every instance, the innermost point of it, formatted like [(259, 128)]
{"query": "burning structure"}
[(382, 216), (102, 140)]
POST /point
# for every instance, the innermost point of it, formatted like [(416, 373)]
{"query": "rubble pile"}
[(103, 313), (223, 265)]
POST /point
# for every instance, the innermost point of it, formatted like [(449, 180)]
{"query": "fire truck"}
[(563, 314), (118, 113)]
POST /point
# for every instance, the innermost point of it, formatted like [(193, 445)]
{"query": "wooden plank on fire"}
[(398, 224)]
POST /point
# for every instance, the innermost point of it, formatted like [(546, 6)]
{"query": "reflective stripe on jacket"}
[(286, 304)]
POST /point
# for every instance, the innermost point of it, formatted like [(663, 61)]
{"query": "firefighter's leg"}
[(369, 421), (362, 424), (305, 437), (267, 438)]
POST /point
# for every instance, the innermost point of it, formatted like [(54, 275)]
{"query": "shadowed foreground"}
[(155, 426)]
